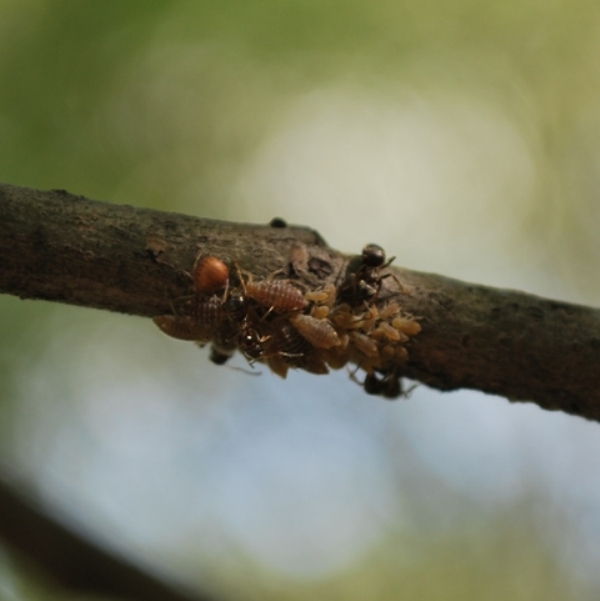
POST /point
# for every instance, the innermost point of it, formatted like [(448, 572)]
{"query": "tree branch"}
[(71, 560), (60, 247)]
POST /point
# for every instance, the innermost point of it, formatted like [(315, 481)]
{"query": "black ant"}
[(389, 385), (363, 279)]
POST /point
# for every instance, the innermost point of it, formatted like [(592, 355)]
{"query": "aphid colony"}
[(276, 322)]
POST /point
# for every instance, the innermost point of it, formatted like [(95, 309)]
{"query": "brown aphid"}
[(278, 295), (209, 312), (319, 332), (287, 348), (334, 357), (182, 328), (210, 275), (287, 342), (277, 365), (365, 344), (406, 325)]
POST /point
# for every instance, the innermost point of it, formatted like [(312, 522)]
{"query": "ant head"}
[(373, 255), (250, 343), (236, 302)]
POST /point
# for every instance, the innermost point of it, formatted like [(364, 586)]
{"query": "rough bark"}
[(59, 247)]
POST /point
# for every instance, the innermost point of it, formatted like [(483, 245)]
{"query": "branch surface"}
[(60, 247)]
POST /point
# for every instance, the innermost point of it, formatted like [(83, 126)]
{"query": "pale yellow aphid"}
[(344, 318), (406, 325), (325, 295), (320, 311), (390, 310), (385, 330)]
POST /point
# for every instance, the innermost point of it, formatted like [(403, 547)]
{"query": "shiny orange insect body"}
[(210, 275)]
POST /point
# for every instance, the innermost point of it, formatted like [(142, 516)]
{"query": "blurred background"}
[(462, 136)]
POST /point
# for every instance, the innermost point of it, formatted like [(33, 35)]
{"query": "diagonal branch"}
[(60, 247), (73, 561)]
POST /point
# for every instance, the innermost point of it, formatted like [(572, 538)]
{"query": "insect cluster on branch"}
[(277, 322)]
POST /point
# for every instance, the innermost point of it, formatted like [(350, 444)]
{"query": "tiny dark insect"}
[(219, 356), (373, 384), (250, 342), (388, 385), (363, 279), (278, 222), (210, 275)]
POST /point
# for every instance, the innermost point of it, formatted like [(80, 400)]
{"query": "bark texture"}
[(59, 247)]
